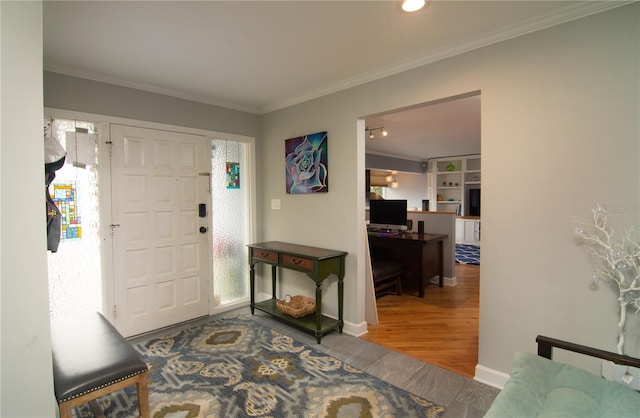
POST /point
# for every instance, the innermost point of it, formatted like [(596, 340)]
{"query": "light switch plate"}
[(275, 204)]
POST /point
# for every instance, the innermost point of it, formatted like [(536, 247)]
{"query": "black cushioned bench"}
[(91, 359), (387, 276)]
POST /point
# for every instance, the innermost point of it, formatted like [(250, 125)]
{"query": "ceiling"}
[(259, 56), (442, 129)]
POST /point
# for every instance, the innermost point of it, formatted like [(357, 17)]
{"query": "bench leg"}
[(143, 396), (140, 380), (65, 410)]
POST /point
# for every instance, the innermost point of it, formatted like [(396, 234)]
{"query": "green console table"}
[(317, 263)]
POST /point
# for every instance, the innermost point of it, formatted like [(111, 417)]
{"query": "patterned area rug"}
[(468, 254), (234, 367)]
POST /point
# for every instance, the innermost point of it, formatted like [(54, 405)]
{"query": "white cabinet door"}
[(459, 230), (469, 231), (476, 231)]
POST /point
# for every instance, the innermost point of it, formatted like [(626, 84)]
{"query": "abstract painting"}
[(306, 164)]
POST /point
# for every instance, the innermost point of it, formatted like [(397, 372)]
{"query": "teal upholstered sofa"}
[(541, 387)]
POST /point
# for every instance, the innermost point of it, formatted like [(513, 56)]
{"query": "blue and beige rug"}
[(468, 254), (234, 367)]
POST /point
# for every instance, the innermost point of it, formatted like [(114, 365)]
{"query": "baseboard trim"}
[(356, 330), (491, 377), (448, 281), (353, 329)]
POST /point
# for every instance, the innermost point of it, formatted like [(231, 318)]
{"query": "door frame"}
[(103, 123)]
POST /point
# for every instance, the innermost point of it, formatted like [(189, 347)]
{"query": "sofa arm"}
[(546, 344)]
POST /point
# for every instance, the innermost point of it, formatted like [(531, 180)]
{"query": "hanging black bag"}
[(54, 160)]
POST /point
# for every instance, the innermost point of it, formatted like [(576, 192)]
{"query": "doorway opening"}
[(417, 138)]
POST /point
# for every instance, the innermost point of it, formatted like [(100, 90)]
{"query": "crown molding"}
[(576, 11), (149, 88), (395, 156), (572, 12)]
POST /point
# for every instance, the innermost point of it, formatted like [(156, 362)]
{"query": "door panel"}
[(161, 266)]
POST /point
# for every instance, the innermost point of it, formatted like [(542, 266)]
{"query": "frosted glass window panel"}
[(81, 148), (229, 223), (75, 275)]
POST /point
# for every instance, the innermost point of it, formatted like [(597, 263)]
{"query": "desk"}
[(317, 263), (421, 254)]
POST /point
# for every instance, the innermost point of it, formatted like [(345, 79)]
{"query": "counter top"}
[(440, 212)]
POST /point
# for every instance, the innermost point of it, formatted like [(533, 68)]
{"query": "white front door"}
[(162, 274)]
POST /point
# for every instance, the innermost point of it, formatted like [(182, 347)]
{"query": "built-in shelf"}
[(451, 180)]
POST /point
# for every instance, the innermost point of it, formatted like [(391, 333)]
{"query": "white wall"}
[(559, 132), (26, 388), (331, 220), (411, 186)]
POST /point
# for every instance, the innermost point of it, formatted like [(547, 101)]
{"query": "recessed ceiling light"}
[(413, 5)]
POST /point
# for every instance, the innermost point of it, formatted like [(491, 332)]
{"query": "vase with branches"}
[(616, 260)]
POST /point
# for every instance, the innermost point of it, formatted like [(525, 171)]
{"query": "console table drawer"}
[(298, 262), (271, 256)]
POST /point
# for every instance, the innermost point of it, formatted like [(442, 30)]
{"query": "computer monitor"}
[(388, 214)]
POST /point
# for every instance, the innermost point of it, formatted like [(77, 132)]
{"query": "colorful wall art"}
[(306, 164), (233, 175)]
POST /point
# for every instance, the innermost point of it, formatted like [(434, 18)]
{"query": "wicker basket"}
[(296, 306)]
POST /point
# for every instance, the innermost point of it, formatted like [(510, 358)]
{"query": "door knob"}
[(203, 229)]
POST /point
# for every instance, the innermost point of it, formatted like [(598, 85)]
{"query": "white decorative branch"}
[(615, 260)]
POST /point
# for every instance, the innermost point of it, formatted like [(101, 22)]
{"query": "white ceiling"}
[(259, 56), (435, 130)]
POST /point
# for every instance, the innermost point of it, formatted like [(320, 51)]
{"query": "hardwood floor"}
[(441, 329)]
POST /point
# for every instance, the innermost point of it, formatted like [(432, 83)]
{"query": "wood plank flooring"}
[(441, 329)]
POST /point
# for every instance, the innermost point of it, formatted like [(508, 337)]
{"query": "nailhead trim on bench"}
[(104, 385)]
